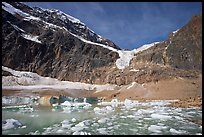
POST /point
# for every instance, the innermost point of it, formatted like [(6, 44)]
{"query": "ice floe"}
[(102, 131), (156, 129), (174, 131), (159, 116), (103, 120), (11, 123), (103, 110), (73, 120)]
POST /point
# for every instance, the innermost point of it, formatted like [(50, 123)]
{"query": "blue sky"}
[(129, 24)]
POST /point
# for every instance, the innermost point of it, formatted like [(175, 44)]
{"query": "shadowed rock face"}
[(59, 55), (182, 50)]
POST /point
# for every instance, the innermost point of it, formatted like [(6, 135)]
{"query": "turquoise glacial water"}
[(129, 118)]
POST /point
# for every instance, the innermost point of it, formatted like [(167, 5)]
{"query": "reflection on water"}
[(115, 118)]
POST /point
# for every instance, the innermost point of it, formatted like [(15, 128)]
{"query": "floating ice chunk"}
[(154, 128), (116, 126), (66, 110), (123, 117), (66, 103), (87, 122), (87, 106), (77, 128), (160, 124), (10, 123), (69, 106), (133, 129), (143, 111), (35, 133), (73, 120), (109, 108), (95, 125), (23, 127), (80, 133), (159, 116), (178, 117), (80, 124), (65, 124), (174, 131), (76, 133), (109, 123), (129, 104), (114, 102), (103, 110), (83, 133), (103, 120), (104, 103), (102, 131), (130, 116), (110, 128), (198, 133), (59, 131), (97, 109)]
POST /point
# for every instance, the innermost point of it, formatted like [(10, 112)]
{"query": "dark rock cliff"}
[(59, 55)]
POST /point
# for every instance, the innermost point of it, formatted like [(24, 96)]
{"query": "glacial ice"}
[(159, 116), (174, 131), (103, 120), (103, 110), (29, 80), (10, 123), (155, 128)]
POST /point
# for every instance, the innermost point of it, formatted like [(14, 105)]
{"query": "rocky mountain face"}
[(180, 56), (53, 44), (48, 42), (182, 50)]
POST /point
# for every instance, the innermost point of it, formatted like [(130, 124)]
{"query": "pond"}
[(24, 115)]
